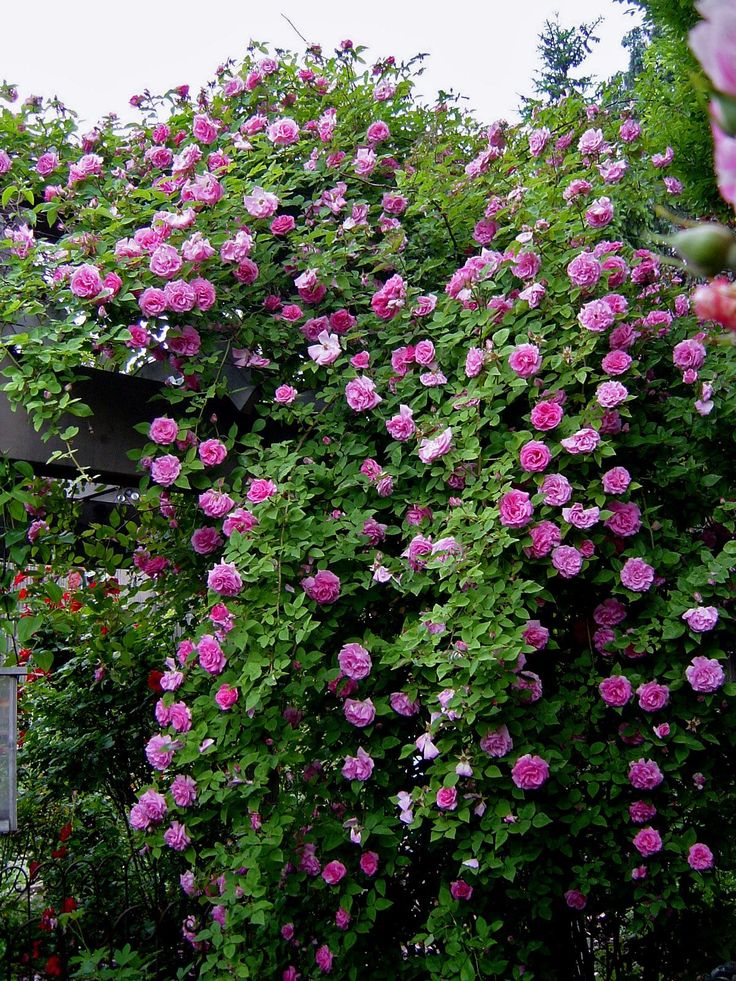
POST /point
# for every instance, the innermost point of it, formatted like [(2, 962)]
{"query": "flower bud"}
[(707, 247)]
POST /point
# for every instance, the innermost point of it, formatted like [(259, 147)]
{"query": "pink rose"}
[(461, 890), (637, 575), (358, 767), (546, 415), (183, 790), (152, 301), (545, 536), (625, 520), (534, 456), (355, 661), (530, 772), (701, 619), (283, 132), (160, 751), (535, 635), (163, 431), (333, 872), (165, 262), (474, 361), (176, 837), (432, 449), (224, 579), (401, 426), (226, 697), (497, 742), (215, 504), (640, 811), (424, 353), (165, 470), (260, 203), (324, 587), (260, 490), (447, 798), (600, 213), (645, 775), (402, 704), (525, 360), (584, 270), (211, 658), (700, 857), (567, 560), (516, 509), (206, 540), (616, 690), (705, 675), (180, 296), (389, 300), (285, 394), (652, 696), (583, 441), (616, 363), (282, 225), (576, 899), (369, 863), (86, 282), (648, 842), (616, 480), (360, 714), (327, 350), (239, 520), (556, 489), (361, 395), (580, 517), (610, 394), (212, 452), (688, 354), (377, 132)]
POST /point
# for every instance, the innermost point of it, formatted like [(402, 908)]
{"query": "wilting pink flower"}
[(358, 767)]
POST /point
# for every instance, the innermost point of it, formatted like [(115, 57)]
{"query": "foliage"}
[(562, 51), (487, 468)]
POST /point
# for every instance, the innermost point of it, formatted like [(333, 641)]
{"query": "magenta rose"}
[(211, 658), (525, 360), (530, 772), (516, 509), (705, 675), (212, 452), (700, 857), (86, 282), (648, 842), (497, 742), (225, 579), (460, 890), (653, 696), (333, 872), (616, 690), (206, 540), (645, 775), (401, 426), (546, 415), (369, 863), (165, 470), (447, 798), (576, 899), (583, 441), (361, 395), (183, 790), (641, 811), (215, 504), (176, 837), (152, 302), (567, 560), (625, 520), (285, 395), (637, 575), (355, 661), (701, 619), (534, 456), (163, 431), (324, 587), (584, 270), (556, 489), (432, 449), (616, 480), (260, 490), (360, 714)]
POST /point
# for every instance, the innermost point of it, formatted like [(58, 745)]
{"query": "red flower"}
[(65, 832), (69, 905), (154, 680), (54, 966)]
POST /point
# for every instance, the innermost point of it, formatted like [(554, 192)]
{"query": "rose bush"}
[(401, 658)]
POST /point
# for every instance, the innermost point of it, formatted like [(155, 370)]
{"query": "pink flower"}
[(546, 415), (610, 394), (183, 790), (716, 301), (713, 41), (535, 635), (377, 132), (545, 536), (616, 363), (324, 587), (176, 837), (360, 714), (648, 842), (645, 775), (629, 131), (556, 489), (165, 470), (447, 798), (165, 262), (600, 213), (688, 354), (239, 520), (652, 696), (333, 872), (180, 296), (206, 540), (567, 560), (212, 452), (432, 449), (260, 490), (616, 480), (402, 704), (160, 751), (625, 520), (497, 742), (152, 301), (86, 282), (640, 811), (215, 504), (580, 517), (516, 509), (705, 675), (387, 302), (260, 203), (701, 619), (358, 767), (534, 456), (576, 899), (285, 394), (700, 857), (474, 361), (283, 132), (584, 270), (369, 863), (583, 441), (401, 426), (530, 772), (163, 431), (361, 394), (461, 890), (355, 661), (637, 575), (224, 579), (211, 658), (525, 360), (226, 697), (327, 351)]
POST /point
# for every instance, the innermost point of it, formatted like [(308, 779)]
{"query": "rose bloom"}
[(576, 899), (652, 696), (688, 354), (152, 302), (584, 270), (333, 872), (324, 587), (700, 857), (355, 661), (165, 470), (432, 449), (226, 697), (535, 635), (401, 426), (610, 394), (583, 441), (360, 714), (361, 395), (176, 837), (609, 613), (224, 579), (567, 560), (546, 415), (358, 767), (211, 658), (497, 742), (369, 863), (648, 842), (556, 489), (447, 798), (525, 360), (616, 362), (402, 704), (285, 395), (516, 509), (260, 203), (86, 282), (545, 536), (534, 456), (625, 520), (530, 772), (716, 301), (616, 480), (461, 890), (645, 775), (215, 503), (163, 431), (705, 675), (641, 811), (239, 520), (580, 517), (183, 790), (260, 490), (616, 690), (206, 540), (637, 575), (283, 132), (600, 213), (701, 619), (212, 452)]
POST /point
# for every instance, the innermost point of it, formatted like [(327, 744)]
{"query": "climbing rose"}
[(515, 509), (355, 661), (333, 872), (360, 714), (165, 470), (525, 360), (616, 690), (701, 619), (575, 899), (637, 575), (652, 696), (700, 857), (497, 742), (530, 772), (432, 449), (705, 674), (645, 775), (163, 431), (648, 842), (324, 587), (361, 394), (224, 579), (447, 798)]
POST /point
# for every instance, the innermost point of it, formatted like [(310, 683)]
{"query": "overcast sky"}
[(95, 54)]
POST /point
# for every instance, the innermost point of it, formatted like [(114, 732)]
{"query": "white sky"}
[(95, 54)]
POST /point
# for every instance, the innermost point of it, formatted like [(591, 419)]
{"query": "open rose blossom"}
[(637, 575), (225, 579), (447, 798), (700, 857), (530, 772), (705, 675), (355, 661), (648, 842), (432, 449), (324, 587)]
